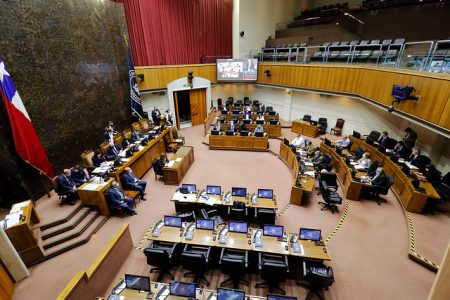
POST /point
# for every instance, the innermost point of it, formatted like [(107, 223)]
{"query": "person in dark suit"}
[(383, 140), (126, 142), (418, 160), (113, 151), (131, 182), (410, 138), (156, 116), (400, 150), (432, 174), (98, 158), (117, 198), (231, 127), (67, 187), (108, 134), (379, 179), (135, 136), (243, 127), (78, 175)]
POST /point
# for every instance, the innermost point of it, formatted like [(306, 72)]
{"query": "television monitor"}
[(190, 186), (224, 111), (137, 282), (244, 132), (310, 234), (182, 289), (313, 122), (236, 112), (238, 192), (356, 135), (245, 121), (230, 294), (327, 142), (238, 226), (273, 230), (272, 113), (213, 189), (260, 122), (204, 224), (265, 193), (215, 132), (259, 134), (229, 132), (273, 122), (237, 69), (173, 221), (280, 297)]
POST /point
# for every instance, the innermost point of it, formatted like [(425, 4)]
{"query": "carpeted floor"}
[(369, 253)]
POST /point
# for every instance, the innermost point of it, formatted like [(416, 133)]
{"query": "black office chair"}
[(212, 214), (273, 270), (377, 190), (373, 168), (360, 151), (196, 259), (332, 199), (187, 216), (162, 255), (234, 263), (326, 161), (323, 122), (265, 216), (316, 276), (330, 178), (307, 118), (238, 211), (373, 136), (269, 109)]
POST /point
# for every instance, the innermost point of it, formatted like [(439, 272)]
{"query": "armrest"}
[(208, 254), (212, 211), (246, 258), (186, 246), (221, 255), (172, 251), (259, 260)]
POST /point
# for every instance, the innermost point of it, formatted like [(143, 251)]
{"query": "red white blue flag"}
[(26, 140)]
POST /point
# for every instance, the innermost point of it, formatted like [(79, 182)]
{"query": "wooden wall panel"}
[(445, 118)]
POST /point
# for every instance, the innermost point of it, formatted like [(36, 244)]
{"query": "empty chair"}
[(316, 276), (364, 55), (386, 43), (376, 54), (157, 168), (238, 211), (256, 102), (234, 263), (317, 55), (374, 42), (392, 53), (303, 45), (163, 256), (354, 43), (196, 260), (333, 55), (323, 122), (330, 179), (269, 108), (212, 214), (344, 43), (332, 199), (334, 44), (326, 44), (306, 118), (399, 41), (239, 102), (247, 102), (265, 216), (344, 55), (377, 190), (273, 270), (187, 216), (337, 129), (296, 45), (364, 42), (373, 135), (359, 152)]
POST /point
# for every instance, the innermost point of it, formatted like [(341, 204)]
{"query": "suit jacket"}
[(156, 116), (317, 160), (114, 196), (244, 127), (107, 136), (383, 141), (410, 139), (129, 179), (380, 180), (135, 136), (418, 161), (65, 184), (402, 152), (96, 161), (126, 143), (78, 177), (229, 127), (110, 152)]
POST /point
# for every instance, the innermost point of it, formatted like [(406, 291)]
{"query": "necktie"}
[(114, 150), (120, 193)]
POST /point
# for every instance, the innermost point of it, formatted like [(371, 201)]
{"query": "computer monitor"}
[(356, 134), (273, 230), (247, 121), (238, 192), (182, 289), (280, 297), (244, 132), (259, 121), (213, 189), (173, 221), (265, 193), (137, 282), (313, 122), (272, 113), (259, 134), (204, 224), (310, 234), (215, 132), (273, 122), (190, 187), (236, 112), (230, 294), (238, 226), (229, 132)]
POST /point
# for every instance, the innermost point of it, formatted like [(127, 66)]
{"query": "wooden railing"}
[(209, 119)]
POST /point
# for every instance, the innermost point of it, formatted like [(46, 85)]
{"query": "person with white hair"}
[(113, 151), (66, 186), (299, 141), (117, 198)]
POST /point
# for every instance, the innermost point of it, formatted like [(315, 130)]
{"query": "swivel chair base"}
[(198, 277), (326, 206), (236, 282), (162, 272), (272, 286), (311, 291)]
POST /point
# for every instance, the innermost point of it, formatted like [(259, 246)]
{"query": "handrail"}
[(209, 119)]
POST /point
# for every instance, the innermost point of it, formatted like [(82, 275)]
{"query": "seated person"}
[(380, 178), (298, 141), (344, 142), (67, 187), (231, 126), (108, 135), (98, 158), (78, 175), (126, 142), (117, 198), (259, 128), (312, 150), (111, 127), (243, 127), (417, 160), (113, 151), (432, 174), (383, 140), (131, 182), (317, 159), (162, 161), (135, 136), (400, 150), (365, 161), (247, 115)]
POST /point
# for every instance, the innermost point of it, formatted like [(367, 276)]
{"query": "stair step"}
[(84, 238), (60, 220), (72, 233), (63, 227)]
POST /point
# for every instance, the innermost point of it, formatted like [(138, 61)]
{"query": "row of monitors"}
[(235, 191), (237, 112), (242, 227), (243, 133), (257, 122), (187, 290)]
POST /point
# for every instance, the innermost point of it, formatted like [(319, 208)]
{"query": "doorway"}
[(190, 107)]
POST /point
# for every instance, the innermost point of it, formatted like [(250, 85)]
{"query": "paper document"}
[(178, 159), (91, 187), (310, 173), (184, 197), (359, 167), (140, 147), (21, 204), (170, 163), (412, 167), (13, 219), (211, 201), (124, 159), (309, 164)]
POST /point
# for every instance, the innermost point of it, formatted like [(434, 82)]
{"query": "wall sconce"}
[(140, 76), (268, 73), (190, 78)]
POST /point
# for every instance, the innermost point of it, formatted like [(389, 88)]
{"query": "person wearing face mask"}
[(117, 198), (78, 175), (113, 151), (98, 158), (108, 134)]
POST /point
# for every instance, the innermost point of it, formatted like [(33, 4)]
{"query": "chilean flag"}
[(27, 142)]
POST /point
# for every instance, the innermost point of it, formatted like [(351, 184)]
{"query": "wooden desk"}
[(175, 173), (253, 116), (25, 238), (237, 142), (304, 128), (141, 161), (271, 130), (309, 250), (130, 294), (91, 195), (307, 183)]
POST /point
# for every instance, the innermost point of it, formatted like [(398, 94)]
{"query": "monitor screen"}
[(237, 69), (204, 224), (172, 221), (236, 226), (273, 230), (136, 282), (327, 142), (279, 297), (356, 134), (182, 289), (230, 294), (310, 234), (238, 192), (213, 189), (265, 193), (191, 187)]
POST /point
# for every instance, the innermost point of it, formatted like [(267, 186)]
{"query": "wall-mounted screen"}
[(237, 69)]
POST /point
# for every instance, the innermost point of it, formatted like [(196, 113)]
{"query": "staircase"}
[(70, 231)]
